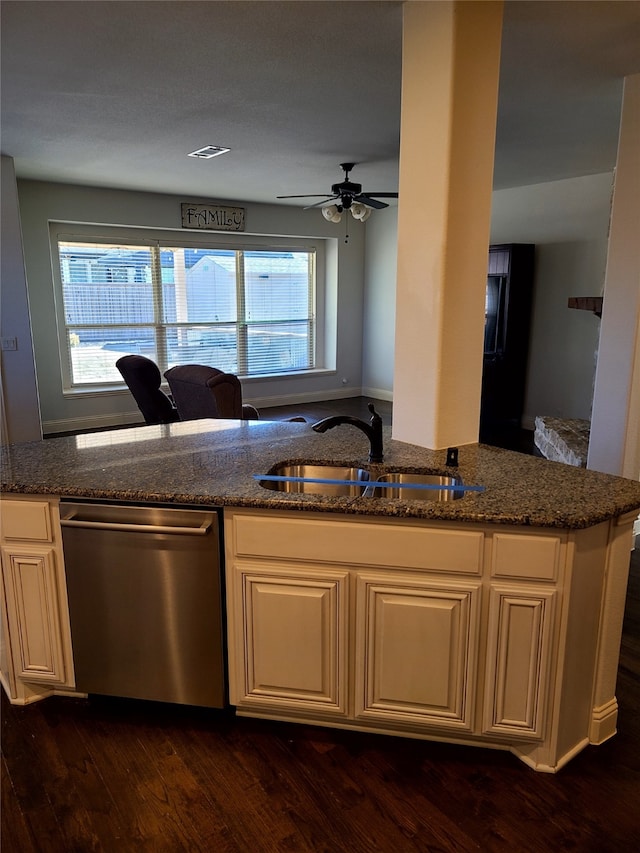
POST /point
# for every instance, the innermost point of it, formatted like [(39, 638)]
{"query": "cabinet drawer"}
[(26, 520), (531, 557), (367, 543)]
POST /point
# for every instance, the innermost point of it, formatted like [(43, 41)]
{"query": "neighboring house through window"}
[(242, 308)]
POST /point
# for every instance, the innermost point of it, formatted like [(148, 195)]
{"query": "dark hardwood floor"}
[(355, 406), (519, 440)]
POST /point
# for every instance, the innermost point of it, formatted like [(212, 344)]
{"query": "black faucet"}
[(373, 429)]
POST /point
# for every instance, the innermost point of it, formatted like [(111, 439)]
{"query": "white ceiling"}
[(115, 94)]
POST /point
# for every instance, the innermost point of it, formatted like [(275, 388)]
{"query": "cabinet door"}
[(292, 625), (519, 644), (416, 650), (33, 613)]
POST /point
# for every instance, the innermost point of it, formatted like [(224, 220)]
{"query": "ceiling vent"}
[(208, 152)]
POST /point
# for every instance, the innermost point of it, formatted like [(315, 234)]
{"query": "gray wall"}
[(43, 202), (380, 304), (568, 222), (20, 415)]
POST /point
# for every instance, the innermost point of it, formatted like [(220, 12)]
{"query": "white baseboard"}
[(299, 399), (133, 418), (377, 394)]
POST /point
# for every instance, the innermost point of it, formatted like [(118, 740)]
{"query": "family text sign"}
[(212, 217)]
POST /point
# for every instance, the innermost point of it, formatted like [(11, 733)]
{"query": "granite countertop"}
[(212, 462)]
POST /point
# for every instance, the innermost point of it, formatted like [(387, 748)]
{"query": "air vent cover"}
[(208, 152)]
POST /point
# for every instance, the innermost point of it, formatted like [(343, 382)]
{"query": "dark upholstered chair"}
[(143, 378), (200, 391)]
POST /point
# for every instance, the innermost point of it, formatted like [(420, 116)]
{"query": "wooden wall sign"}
[(212, 217)]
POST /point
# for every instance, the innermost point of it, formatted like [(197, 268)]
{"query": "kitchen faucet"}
[(373, 430)]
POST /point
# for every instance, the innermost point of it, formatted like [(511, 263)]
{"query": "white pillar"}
[(614, 443), (450, 72)]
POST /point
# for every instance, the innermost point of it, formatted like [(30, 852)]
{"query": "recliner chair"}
[(143, 378), (200, 391)]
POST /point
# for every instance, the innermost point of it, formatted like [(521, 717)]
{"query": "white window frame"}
[(65, 231)]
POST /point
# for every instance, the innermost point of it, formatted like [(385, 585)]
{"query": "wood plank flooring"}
[(520, 441), (355, 406)]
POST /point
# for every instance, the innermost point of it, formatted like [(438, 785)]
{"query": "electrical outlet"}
[(9, 343)]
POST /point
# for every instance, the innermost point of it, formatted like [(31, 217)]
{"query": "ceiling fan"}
[(345, 194)]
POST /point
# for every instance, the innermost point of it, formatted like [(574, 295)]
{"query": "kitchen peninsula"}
[(493, 619)]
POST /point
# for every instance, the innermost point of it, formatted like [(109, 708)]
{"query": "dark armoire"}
[(506, 342)]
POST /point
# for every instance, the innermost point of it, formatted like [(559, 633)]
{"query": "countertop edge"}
[(382, 508)]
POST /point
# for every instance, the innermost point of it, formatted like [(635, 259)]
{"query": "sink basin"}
[(316, 473), (407, 487), (345, 481)]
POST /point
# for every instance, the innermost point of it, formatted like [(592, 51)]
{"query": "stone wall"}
[(563, 439)]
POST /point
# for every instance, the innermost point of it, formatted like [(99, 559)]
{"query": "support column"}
[(450, 73)]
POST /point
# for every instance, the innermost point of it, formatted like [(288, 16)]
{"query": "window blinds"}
[(249, 312)]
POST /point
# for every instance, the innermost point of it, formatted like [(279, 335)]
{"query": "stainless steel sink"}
[(346, 481), (416, 487), (318, 480)]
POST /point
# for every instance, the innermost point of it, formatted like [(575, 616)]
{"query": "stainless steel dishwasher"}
[(145, 601)]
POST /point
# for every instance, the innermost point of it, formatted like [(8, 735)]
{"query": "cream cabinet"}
[(37, 657), (520, 632), (489, 634), (415, 644), (416, 649), (292, 626), (524, 569), (353, 622)]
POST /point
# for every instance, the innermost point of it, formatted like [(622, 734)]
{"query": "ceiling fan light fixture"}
[(332, 213), (360, 211)]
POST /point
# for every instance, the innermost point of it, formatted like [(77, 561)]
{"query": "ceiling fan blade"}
[(382, 195), (324, 203), (363, 198), (306, 195)]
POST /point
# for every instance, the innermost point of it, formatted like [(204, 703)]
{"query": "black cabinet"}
[(506, 342)]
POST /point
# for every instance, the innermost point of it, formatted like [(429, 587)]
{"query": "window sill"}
[(276, 377), (110, 390), (94, 391)]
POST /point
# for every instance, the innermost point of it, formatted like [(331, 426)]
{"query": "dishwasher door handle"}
[(138, 528)]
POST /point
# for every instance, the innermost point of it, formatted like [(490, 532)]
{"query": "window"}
[(249, 311)]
